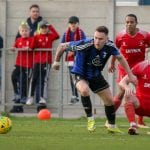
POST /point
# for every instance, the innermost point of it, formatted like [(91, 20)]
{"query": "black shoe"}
[(23, 100), (40, 107), (17, 109), (16, 100)]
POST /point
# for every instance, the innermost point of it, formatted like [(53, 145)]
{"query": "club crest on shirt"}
[(144, 77), (96, 61), (124, 44)]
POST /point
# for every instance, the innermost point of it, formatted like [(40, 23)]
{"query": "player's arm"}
[(126, 67), (59, 52), (124, 84), (111, 65), (70, 46), (147, 50)]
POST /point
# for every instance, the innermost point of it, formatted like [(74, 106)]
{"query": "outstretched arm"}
[(125, 65), (59, 52)]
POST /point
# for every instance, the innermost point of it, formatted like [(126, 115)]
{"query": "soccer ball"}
[(44, 114), (5, 124)]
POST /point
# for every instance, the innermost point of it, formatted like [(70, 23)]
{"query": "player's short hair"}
[(132, 15), (34, 6), (102, 29)]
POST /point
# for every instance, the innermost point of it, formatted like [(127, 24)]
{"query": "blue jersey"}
[(89, 62)]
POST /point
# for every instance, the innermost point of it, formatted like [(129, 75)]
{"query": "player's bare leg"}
[(84, 90)]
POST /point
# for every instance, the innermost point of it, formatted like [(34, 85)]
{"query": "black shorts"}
[(96, 84)]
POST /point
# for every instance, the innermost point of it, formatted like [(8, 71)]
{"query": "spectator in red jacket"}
[(32, 21), (23, 65), (42, 59)]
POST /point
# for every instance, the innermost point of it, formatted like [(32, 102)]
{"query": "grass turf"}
[(69, 134)]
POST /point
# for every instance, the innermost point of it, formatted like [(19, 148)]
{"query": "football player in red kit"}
[(132, 43), (137, 102)]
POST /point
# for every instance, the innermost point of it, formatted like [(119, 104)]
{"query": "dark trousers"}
[(38, 78), (46, 80), (20, 80)]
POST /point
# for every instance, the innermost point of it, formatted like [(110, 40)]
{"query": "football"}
[(5, 124), (44, 114)]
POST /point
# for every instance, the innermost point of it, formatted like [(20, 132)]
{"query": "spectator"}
[(24, 60), (73, 33), (33, 20), (42, 60)]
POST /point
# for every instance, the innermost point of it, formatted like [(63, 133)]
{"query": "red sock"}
[(117, 102), (130, 112), (140, 119)]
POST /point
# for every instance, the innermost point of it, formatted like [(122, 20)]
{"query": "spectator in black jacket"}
[(33, 20)]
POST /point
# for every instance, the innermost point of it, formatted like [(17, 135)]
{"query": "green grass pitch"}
[(70, 134)]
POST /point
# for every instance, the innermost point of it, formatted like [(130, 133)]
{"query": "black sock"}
[(110, 114), (86, 102)]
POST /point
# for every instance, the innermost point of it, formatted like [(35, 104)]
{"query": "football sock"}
[(130, 111), (86, 102), (140, 119), (110, 114), (117, 102)]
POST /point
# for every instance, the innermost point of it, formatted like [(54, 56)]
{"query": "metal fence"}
[(59, 90)]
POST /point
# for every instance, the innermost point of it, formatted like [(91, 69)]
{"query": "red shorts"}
[(144, 109)]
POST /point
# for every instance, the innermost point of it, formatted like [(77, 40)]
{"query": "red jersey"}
[(142, 71), (132, 47), (45, 41), (24, 57)]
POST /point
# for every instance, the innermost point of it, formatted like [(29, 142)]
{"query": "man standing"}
[(139, 102), (90, 60), (132, 43), (32, 21)]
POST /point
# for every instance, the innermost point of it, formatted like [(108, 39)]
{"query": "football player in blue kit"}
[(91, 58)]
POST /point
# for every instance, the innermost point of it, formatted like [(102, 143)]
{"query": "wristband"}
[(57, 63)]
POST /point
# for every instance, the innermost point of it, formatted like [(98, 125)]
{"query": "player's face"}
[(130, 23), (73, 26), (34, 13), (100, 39), (24, 32)]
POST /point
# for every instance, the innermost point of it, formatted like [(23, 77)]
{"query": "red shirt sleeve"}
[(54, 34)]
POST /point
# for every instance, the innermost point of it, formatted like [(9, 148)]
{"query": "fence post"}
[(3, 11), (60, 87)]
